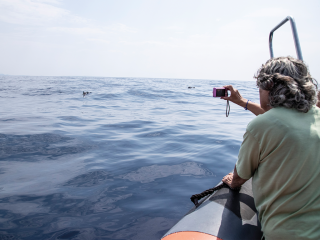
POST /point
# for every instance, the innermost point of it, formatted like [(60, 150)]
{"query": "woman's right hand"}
[(235, 96)]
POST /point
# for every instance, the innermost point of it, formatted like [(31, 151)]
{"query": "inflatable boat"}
[(226, 214)]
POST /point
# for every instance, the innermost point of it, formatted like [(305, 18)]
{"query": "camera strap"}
[(227, 109)]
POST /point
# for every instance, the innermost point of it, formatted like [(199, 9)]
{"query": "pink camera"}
[(220, 92)]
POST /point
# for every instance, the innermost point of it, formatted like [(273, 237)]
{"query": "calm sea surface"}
[(118, 163)]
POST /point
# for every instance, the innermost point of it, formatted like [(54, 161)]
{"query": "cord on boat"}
[(196, 197)]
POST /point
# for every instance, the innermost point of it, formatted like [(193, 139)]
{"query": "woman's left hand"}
[(228, 179)]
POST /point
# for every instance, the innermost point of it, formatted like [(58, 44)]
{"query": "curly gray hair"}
[(289, 82)]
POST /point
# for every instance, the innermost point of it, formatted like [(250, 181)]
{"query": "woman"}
[(281, 151)]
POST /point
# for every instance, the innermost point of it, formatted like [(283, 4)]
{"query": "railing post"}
[(294, 33)]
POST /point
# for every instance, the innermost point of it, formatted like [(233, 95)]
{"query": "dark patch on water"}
[(69, 235), (31, 147)]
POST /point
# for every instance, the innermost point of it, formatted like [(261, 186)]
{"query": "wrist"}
[(242, 102)]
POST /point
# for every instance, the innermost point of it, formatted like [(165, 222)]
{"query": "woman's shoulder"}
[(281, 118)]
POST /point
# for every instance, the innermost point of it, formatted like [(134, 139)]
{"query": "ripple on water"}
[(89, 179)]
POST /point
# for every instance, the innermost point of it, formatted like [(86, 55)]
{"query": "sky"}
[(198, 39)]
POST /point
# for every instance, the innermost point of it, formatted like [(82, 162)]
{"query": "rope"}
[(227, 109), (196, 197)]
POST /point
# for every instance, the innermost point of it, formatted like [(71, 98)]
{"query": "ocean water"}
[(118, 163)]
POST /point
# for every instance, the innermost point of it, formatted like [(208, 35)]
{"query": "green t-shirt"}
[(281, 152)]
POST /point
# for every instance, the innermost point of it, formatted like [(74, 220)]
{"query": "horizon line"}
[(22, 75)]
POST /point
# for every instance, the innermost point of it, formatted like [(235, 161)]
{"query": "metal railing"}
[(294, 33)]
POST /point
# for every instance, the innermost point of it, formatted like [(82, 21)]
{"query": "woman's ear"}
[(264, 99)]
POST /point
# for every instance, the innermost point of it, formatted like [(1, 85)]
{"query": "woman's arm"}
[(236, 98)]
